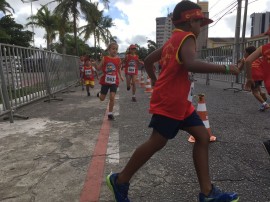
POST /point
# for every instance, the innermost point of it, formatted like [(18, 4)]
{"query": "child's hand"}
[(234, 69), (249, 83)]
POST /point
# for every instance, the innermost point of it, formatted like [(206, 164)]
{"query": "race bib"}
[(111, 79), (88, 72), (131, 69), (191, 92)]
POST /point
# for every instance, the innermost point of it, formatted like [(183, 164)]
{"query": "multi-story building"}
[(164, 27), (203, 36), (260, 22)]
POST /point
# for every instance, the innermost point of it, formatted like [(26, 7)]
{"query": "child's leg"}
[(128, 81), (141, 155), (258, 95), (133, 85), (200, 156), (111, 103), (103, 92)]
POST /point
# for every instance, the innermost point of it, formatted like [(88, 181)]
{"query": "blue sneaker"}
[(120, 191), (217, 196)]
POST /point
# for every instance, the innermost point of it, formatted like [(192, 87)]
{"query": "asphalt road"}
[(48, 157)]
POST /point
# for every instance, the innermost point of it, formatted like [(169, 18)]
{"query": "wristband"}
[(227, 69)]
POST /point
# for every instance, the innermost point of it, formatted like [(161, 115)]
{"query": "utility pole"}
[(244, 22), (237, 32)]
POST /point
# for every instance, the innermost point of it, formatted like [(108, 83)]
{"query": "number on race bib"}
[(111, 79)]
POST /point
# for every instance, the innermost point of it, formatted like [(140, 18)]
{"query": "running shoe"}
[(128, 88), (111, 117), (264, 107), (88, 93), (134, 99), (267, 146), (120, 191), (218, 196)]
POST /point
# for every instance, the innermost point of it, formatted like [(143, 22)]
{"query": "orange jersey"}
[(110, 70), (266, 66), (257, 70), (172, 95), (88, 73), (131, 64)]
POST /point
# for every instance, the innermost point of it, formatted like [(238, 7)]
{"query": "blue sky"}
[(135, 19)]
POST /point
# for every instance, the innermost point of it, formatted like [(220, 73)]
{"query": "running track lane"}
[(92, 184)]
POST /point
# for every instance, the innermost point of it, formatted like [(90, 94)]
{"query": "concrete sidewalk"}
[(46, 158)]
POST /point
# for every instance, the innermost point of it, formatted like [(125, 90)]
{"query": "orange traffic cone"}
[(148, 88), (142, 81), (202, 112)]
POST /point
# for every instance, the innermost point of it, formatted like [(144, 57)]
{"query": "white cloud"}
[(135, 21)]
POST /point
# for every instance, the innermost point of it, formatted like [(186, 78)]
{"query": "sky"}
[(135, 20)]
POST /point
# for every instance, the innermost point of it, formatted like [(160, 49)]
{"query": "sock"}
[(265, 103), (110, 113), (133, 96)]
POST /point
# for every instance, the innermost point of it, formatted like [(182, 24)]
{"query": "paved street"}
[(48, 157)]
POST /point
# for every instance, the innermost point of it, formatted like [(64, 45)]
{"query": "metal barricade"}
[(27, 75)]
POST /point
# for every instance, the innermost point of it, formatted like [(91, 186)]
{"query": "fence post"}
[(6, 102), (46, 66)]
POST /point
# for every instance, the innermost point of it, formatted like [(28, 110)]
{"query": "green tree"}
[(75, 8), (98, 26), (151, 45), (12, 32), (5, 7), (45, 19)]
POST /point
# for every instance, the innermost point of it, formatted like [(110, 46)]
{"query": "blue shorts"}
[(169, 127)]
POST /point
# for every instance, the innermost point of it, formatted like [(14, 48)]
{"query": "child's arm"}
[(251, 58), (149, 64), (119, 72), (99, 66), (95, 72), (241, 64), (187, 55)]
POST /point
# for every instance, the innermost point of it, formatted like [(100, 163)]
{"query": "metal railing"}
[(227, 55), (27, 75)]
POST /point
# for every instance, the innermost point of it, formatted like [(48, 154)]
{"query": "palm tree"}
[(98, 26), (64, 27), (45, 19), (5, 7), (74, 8)]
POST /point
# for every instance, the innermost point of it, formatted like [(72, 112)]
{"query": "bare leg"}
[(128, 81), (111, 103), (141, 155), (200, 156), (133, 85), (257, 95)]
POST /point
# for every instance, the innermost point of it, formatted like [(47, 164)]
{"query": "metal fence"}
[(27, 75), (227, 55)]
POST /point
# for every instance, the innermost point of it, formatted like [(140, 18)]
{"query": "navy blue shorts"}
[(105, 89), (169, 127)]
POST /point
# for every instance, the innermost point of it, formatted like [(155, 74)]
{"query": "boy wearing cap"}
[(171, 104)]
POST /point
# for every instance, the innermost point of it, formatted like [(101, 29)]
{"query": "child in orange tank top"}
[(110, 66), (264, 52), (257, 76), (131, 63), (171, 104)]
